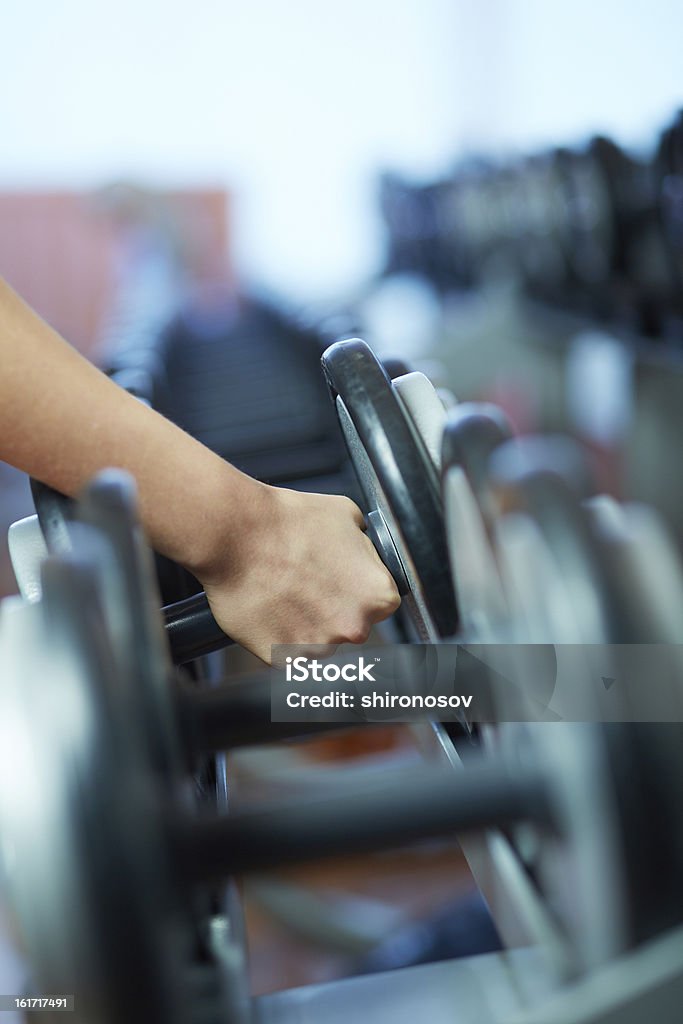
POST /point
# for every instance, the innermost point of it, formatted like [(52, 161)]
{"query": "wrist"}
[(235, 512)]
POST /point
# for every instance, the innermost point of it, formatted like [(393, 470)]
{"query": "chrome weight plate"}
[(474, 430)]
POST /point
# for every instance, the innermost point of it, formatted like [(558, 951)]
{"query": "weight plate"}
[(191, 629), (473, 432), (132, 604), (397, 476), (550, 559), (85, 872)]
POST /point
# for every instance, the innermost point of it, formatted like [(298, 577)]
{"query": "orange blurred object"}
[(63, 250)]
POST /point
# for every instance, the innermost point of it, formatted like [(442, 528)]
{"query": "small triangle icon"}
[(607, 681)]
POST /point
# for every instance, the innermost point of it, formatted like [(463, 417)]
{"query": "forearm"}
[(81, 422), (277, 566)]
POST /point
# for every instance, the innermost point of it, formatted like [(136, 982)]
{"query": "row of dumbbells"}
[(534, 557), (490, 541), (116, 901), (594, 228)]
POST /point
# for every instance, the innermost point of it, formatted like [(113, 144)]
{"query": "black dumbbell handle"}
[(238, 714), (191, 628), (396, 808), (192, 631)]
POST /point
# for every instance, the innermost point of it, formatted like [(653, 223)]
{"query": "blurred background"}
[(294, 110), (249, 180)]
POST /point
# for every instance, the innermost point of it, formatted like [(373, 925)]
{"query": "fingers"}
[(355, 513), (309, 575), (389, 596), (376, 596)]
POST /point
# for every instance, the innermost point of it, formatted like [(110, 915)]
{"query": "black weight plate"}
[(86, 874), (55, 512), (191, 629), (132, 606), (395, 470)]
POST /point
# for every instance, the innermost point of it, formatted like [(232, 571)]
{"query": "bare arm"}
[(277, 566)]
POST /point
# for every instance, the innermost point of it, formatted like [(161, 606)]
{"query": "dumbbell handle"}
[(396, 808), (192, 631), (191, 628), (237, 714)]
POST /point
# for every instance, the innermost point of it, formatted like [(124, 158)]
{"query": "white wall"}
[(296, 105), (559, 69)]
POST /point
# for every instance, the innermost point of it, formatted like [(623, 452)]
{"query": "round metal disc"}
[(397, 476), (84, 866), (473, 432), (559, 594), (132, 608), (549, 555)]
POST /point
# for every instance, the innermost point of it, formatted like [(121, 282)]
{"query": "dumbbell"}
[(105, 807), (668, 185), (547, 553), (556, 529), (543, 254), (547, 562), (392, 430), (190, 626), (405, 515), (579, 569), (103, 905), (559, 545), (474, 430), (557, 553), (585, 574), (413, 222), (596, 245), (212, 717), (181, 721), (645, 566)]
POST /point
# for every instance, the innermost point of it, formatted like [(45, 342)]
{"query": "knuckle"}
[(357, 634), (352, 509)]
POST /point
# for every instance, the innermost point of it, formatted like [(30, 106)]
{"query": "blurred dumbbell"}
[(548, 556), (190, 627), (472, 433), (115, 883), (668, 187), (543, 240), (180, 721), (103, 908), (579, 569), (584, 575)]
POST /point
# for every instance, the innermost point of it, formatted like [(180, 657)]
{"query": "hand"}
[(302, 571)]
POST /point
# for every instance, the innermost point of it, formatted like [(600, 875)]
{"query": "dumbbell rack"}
[(545, 983)]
